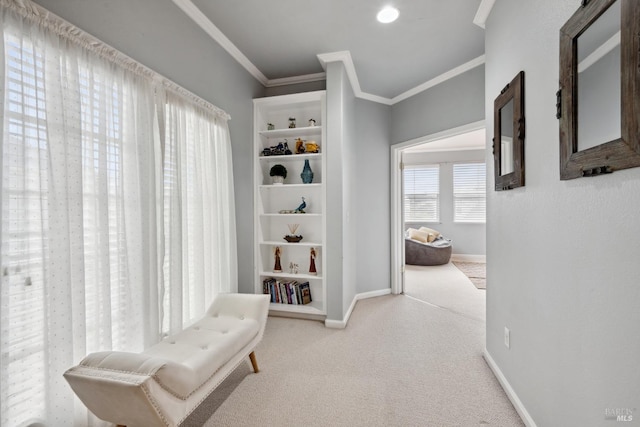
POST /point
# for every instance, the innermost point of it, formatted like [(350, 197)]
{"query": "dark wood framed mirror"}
[(599, 97), (508, 139)]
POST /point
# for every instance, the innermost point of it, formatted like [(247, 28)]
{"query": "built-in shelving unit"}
[(271, 200)]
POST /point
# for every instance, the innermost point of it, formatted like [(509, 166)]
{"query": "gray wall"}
[(365, 186), (468, 238), (372, 212), (358, 212), (562, 255), (160, 36), (341, 188), (455, 102), (351, 184)]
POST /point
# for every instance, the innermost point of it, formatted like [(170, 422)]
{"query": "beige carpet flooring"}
[(447, 287), (400, 362)]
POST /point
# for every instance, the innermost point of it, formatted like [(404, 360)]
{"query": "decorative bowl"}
[(292, 239)]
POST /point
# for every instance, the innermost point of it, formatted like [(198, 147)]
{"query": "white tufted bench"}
[(164, 384)]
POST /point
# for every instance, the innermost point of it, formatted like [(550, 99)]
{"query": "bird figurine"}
[(303, 205)]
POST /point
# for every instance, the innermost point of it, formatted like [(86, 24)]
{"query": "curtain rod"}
[(49, 20)]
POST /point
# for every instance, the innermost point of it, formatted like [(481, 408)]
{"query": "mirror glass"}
[(599, 80), (509, 134), (506, 138)]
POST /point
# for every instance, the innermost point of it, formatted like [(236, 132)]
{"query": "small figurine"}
[(312, 262), (312, 122), (302, 206), (286, 148), (292, 122), (279, 150), (293, 268), (270, 126), (277, 268), (299, 146), (311, 147)]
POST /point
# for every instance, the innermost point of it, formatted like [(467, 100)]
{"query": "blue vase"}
[(307, 173)]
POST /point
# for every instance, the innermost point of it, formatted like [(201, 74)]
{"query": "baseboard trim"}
[(468, 258), (335, 324), (511, 394), (341, 324)]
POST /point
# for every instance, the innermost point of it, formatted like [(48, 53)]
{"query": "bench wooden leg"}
[(254, 362)]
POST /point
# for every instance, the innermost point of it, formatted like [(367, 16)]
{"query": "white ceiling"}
[(279, 41)]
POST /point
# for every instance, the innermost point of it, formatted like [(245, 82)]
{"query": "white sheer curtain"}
[(117, 213), (198, 201)]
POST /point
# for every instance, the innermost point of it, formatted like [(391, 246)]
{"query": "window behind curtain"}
[(27, 164), (82, 214), (422, 193), (23, 214), (192, 194), (469, 192)]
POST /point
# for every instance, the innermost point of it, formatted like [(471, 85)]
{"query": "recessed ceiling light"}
[(388, 14)]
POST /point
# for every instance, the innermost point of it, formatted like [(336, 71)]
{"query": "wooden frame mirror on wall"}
[(599, 97), (508, 131)]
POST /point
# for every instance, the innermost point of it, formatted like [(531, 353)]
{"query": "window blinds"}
[(24, 248), (422, 194), (469, 192)]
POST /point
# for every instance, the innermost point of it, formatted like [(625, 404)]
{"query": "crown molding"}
[(345, 57), (214, 32), (439, 79), (192, 11), (483, 12)]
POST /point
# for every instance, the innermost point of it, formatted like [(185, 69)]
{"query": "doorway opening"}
[(451, 210)]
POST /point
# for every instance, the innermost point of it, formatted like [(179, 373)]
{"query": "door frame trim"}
[(397, 226)]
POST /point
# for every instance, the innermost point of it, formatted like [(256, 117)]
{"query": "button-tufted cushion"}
[(163, 385), (202, 349)]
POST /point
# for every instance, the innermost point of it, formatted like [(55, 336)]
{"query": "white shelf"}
[(305, 215), (284, 275), (285, 243), (292, 133), (288, 186), (291, 157), (314, 307)]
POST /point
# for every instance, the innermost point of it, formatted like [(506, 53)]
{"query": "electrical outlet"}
[(507, 342)]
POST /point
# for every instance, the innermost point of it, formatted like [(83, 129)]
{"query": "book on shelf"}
[(305, 293), (287, 291)]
